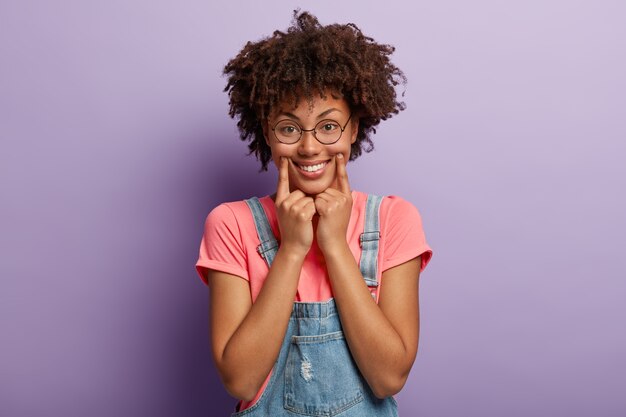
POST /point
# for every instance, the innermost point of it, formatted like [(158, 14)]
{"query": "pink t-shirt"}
[(230, 241)]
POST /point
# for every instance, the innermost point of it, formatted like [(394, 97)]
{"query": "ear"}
[(355, 129), (264, 126)]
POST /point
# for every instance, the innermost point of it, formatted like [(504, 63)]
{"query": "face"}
[(312, 167)]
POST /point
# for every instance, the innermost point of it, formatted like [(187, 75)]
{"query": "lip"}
[(309, 163), (311, 175)]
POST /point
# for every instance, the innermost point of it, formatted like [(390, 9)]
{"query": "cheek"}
[(342, 147), (278, 151)]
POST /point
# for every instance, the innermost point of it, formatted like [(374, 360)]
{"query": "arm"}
[(246, 337), (382, 338)]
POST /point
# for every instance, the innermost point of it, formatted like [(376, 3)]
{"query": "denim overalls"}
[(315, 374)]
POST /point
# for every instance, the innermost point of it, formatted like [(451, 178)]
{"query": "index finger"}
[(282, 189), (342, 174)]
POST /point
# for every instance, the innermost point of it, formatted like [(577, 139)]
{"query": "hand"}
[(295, 213), (334, 208)]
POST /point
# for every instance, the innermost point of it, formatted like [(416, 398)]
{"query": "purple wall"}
[(115, 144)]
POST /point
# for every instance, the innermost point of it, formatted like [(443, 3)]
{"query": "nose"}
[(308, 145)]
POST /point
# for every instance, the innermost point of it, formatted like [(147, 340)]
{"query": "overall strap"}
[(369, 240), (269, 245)]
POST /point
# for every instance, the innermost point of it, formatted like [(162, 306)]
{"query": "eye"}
[(287, 129), (327, 126)]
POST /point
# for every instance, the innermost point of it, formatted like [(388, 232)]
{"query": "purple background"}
[(115, 144)]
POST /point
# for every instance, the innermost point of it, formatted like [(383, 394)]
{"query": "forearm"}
[(377, 348), (253, 348)]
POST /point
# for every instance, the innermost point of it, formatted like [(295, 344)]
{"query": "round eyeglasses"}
[(326, 131)]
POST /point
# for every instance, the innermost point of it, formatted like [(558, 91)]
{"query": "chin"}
[(313, 189)]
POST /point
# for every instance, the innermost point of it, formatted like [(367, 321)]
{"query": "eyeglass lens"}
[(326, 131)]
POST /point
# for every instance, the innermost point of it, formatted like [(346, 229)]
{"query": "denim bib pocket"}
[(321, 377)]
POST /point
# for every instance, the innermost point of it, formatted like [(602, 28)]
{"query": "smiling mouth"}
[(312, 168)]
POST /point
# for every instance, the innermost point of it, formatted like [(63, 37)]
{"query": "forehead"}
[(311, 107)]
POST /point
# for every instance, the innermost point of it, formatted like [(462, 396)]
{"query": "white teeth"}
[(312, 168)]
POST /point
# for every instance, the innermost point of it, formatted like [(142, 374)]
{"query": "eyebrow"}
[(319, 116)]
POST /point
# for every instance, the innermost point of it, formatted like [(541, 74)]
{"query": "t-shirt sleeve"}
[(404, 237), (221, 248)]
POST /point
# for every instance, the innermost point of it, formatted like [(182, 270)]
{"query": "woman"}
[(313, 290)]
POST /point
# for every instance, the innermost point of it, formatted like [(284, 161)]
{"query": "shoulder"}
[(234, 215), (395, 207), (402, 230), (391, 207), (226, 213), (400, 219)]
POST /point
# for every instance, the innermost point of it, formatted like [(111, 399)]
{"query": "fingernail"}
[(340, 155)]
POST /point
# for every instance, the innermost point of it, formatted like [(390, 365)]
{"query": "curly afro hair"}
[(312, 59)]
